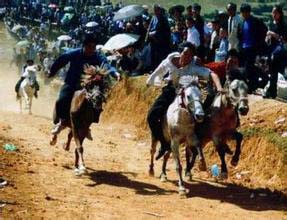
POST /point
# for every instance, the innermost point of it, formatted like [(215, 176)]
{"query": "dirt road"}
[(41, 182)]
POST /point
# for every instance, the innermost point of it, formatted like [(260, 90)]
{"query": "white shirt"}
[(30, 71), (233, 25), (193, 36), (174, 73)]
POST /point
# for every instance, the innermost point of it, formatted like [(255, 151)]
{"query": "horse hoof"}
[(202, 165), (163, 178), (223, 176), (182, 191), (53, 141), (66, 147), (234, 162), (82, 168), (151, 172), (79, 171), (188, 176)]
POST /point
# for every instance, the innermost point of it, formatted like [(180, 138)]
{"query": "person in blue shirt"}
[(78, 59), (251, 35)]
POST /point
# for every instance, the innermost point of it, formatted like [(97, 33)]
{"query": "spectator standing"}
[(221, 52), (276, 37), (159, 36), (193, 35), (251, 34), (234, 21)]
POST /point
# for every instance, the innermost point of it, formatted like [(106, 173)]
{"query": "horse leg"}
[(238, 137), (163, 177), (26, 97), (20, 102), (76, 160), (202, 163), (188, 154), (152, 152), (30, 105), (67, 144), (53, 140), (79, 136), (221, 152), (178, 167), (190, 163)]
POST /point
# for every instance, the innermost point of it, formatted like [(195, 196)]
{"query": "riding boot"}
[(59, 127), (36, 94)]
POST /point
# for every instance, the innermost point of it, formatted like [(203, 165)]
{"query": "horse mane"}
[(220, 101), (97, 74), (236, 74)]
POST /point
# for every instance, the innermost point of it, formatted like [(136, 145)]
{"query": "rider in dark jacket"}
[(78, 59)]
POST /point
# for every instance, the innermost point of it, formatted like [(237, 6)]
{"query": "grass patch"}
[(206, 5), (272, 137)]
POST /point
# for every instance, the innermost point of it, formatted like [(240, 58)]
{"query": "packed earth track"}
[(42, 184)]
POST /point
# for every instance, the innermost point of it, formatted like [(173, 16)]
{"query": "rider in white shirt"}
[(175, 65)]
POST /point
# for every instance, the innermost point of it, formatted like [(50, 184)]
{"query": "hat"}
[(196, 7), (245, 8), (89, 38), (145, 7), (179, 8), (215, 20)]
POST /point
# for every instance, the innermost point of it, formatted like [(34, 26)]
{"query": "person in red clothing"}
[(228, 69)]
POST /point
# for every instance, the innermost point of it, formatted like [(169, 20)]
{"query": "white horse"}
[(179, 124), (27, 87)]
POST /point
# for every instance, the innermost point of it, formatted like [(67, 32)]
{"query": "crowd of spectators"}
[(161, 31)]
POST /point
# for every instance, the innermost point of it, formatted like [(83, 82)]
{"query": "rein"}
[(182, 94)]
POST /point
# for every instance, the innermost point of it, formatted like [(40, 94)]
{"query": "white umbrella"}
[(64, 38), (17, 27), (23, 43), (120, 41), (128, 12), (92, 24)]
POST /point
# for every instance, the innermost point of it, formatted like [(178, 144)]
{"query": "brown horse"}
[(85, 106), (221, 125)]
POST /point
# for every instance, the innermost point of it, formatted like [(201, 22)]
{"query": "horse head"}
[(96, 83), (191, 97), (238, 93), (96, 97)]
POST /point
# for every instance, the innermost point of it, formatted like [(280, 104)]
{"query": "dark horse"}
[(85, 106), (221, 125)]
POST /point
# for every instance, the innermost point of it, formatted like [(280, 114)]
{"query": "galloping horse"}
[(86, 103), (27, 87), (179, 124), (222, 123)]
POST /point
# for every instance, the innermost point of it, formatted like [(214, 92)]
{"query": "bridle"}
[(181, 94)]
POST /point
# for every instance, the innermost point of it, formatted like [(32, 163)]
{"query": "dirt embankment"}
[(264, 155), (41, 183)]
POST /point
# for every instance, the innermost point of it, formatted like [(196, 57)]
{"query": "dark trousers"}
[(248, 56), (277, 65), (158, 53), (63, 103), (18, 84), (157, 112)]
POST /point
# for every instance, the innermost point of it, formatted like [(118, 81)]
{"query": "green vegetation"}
[(271, 135), (260, 8)]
